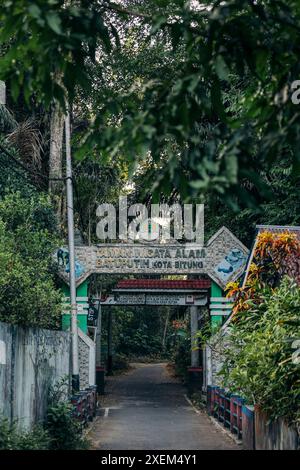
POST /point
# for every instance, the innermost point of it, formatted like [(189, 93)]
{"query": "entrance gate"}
[(220, 261)]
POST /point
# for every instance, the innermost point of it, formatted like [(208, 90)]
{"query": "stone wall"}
[(87, 360)]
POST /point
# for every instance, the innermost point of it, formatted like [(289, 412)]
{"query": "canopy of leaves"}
[(49, 42), (216, 113)]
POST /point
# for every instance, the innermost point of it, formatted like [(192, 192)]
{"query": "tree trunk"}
[(56, 188)]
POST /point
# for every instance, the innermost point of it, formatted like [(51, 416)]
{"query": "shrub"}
[(28, 295), (13, 439), (64, 431), (258, 359), (60, 431), (259, 356)]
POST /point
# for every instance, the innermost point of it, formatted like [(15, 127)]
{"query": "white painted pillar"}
[(204, 366), (209, 372), (194, 342)]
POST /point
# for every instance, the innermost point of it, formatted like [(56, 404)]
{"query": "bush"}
[(259, 361), (13, 439), (28, 295), (64, 431), (60, 432), (140, 341), (259, 356)]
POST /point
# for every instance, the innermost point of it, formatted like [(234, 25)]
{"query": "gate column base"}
[(195, 380), (100, 382)]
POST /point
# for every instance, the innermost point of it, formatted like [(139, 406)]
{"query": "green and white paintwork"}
[(82, 305), (220, 307)]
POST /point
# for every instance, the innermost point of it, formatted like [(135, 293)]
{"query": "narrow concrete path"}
[(146, 409)]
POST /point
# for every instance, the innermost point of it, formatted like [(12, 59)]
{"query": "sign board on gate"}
[(223, 259), (154, 299)]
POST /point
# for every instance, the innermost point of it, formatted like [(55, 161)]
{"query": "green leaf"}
[(262, 62), (221, 68), (34, 10), (54, 22)]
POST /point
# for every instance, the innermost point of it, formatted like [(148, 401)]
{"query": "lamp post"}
[(70, 213)]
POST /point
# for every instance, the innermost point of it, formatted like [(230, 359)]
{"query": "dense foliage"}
[(11, 438), (181, 347), (28, 295), (194, 100), (214, 118), (259, 358), (95, 183), (259, 363), (64, 430), (140, 332), (28, 238)]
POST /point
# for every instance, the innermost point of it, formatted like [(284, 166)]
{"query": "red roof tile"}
[(164, 284)]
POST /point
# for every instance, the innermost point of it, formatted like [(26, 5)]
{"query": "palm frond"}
[(28, 140)]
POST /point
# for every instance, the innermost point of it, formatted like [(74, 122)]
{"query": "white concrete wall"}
[(31, 360), (214, 358)]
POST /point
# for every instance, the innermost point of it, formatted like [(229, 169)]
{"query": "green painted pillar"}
[(216, 292), (82, 303)]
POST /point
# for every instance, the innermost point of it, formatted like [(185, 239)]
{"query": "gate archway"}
[(220, 261)]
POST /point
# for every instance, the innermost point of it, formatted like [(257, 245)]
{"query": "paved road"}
[(146, 409)]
